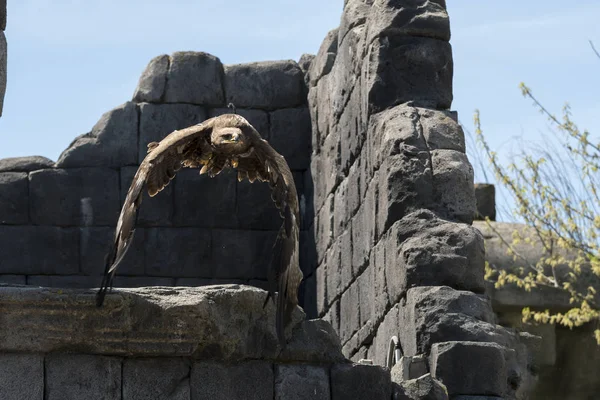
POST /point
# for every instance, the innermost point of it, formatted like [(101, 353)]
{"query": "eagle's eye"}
[(227, 136)]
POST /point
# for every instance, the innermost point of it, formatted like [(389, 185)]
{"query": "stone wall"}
[(394, 200), (3, 53), (58, 218)]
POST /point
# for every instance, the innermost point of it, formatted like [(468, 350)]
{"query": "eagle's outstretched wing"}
[(285, 275), (163, 160)]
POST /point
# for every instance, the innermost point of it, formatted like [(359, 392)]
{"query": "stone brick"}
[(13, 279), (321, 277), (485, 198), (25, 164), (238, 254), (308, 254), (60, 281), (314, 341), (196, 282), (22, 376), (80, 196), (14, 198), (364, 227), (466, 367), (421, 388), (348, 274), (349, 314), (195, 77), (441, 130), (255, 208), (390, 325), (3, 58), (259, 119), (56, 250), (159, 120), (178, 252), (323, 228), (152, 83), (82, 376), (154, 211), (453, 185), (113, 141), (355, 381), (341, 216), (201, 201), (307, 296), (252, 380), (400, 68), (419, 18), (353, 129), (2, 15), (291, 136), (300, 382), (266, 85), (156, 378), (366, 294), (323, 61), (304, 63), (355, 13), (334, 273), (95, 245), (142, 281)]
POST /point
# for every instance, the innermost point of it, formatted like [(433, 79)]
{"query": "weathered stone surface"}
[(2, 14), (154, 211), (290, 136), (3, 58), (156, 378), (152, 83), (325, 58), (241, 254), (13, 279), (82, 376), (355, 13), (390, 326), (485, 197), (300, 382), (204, 202), (267, 84), (159, 120), (421, 18), (196, 78), (441, 130), (95, 244), (313, 341), (84, 282), (453, 185), (421, 388), (226, 322), (409, 367), (251, 380), (14, 198), (112, 142), (349, 314), (25, 164), (469, 367), (400, 69), (22, 376), (72, 197), (56, 250), (355, 381), (259, 119), (178, 252)]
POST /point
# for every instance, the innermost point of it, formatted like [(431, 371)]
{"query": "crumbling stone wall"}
[(394, 199), (58, 218), (3, 53)]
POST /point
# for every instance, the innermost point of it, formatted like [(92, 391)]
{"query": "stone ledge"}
[(221, 322)]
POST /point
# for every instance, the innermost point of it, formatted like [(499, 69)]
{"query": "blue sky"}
[(71, 60)]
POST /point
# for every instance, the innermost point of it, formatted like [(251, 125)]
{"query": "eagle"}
[(225, 141)]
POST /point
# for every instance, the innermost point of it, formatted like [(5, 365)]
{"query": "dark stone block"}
[(14, 198), (356, 381), (178, 252), (25, 164), (96, 244), (470, 368), (441, 130), (56, 250), (79, 376), (142, 281), (252, 380), (300, 382), (13, 279), (402, 69), (453, 185), (159, 120), (255, 208), (197, 282), (308, 255), (205, 202), (82, 196), (291, 136), (195, 77), (154, 211), (156, 378), (238, 254), (2, 15), (259, 119), (68, 281), (113, 141), (152, 83), (485, 195), (422, 388), (349, 312), (22, 376), (267, 84)]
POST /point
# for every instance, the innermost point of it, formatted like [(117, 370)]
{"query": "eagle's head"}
[(228, 134)]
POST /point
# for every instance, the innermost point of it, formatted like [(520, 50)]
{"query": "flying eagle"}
[(216, 144)]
